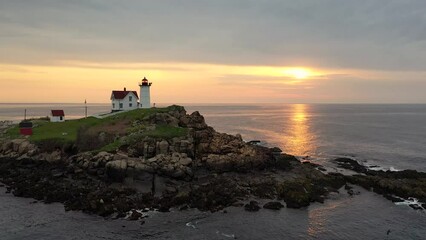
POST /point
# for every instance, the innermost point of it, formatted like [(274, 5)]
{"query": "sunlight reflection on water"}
[(300, 139)]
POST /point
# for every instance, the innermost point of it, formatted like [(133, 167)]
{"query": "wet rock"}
[(238, 204), (351, 164), (393, 198), (135, 215), (415, 207), (276, 150), (253, 206), (273, 205), (265, 188), (164, 208), (284, 161), (295, 194)]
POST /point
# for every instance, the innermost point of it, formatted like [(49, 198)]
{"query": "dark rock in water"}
[(265, 189), (276, 150), (284, 161), (135, 215), (273, 205), (347, 187), (393, 198), (253, 206), (315, 165), (321, 168), (164, 209), (351, 164), (415, 207), (295, 194), (238, 204), (424, 206), (218, 193), (405, 174), (254, 142)]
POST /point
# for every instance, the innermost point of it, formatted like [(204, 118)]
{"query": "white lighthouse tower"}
[(145, 95)]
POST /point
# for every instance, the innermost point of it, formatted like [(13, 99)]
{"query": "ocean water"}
[(390, 136)]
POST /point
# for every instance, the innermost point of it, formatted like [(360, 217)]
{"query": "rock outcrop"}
[(200, 169)]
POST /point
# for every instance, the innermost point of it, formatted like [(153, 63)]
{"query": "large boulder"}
[(273, 205), (163, 119), (6, 146), (252, 206), (162, 147), (116, 170), (223, 143), (351, 164), (185, 161), (220, 163), (16, 143), (196, 121)]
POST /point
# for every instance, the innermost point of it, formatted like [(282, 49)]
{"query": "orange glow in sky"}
[(172, 82)]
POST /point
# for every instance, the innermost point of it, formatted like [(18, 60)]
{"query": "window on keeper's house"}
[(130, 98), (130, 105), (113, 105), (121, 105)]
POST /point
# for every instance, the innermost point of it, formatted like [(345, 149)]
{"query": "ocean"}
[(391, 136)]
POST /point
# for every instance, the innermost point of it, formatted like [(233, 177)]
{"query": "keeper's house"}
[(57, 116), (124, 100)]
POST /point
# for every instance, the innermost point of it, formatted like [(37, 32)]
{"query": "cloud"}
[(379, 34)]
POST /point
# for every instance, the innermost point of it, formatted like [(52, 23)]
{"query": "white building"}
[(124, 100), (145, 93), (57, 116)]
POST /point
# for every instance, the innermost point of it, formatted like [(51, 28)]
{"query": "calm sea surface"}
[(390, 136)]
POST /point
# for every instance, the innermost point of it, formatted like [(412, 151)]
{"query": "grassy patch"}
[(110, 147), (66, 131), (13, 132), (118, 125)]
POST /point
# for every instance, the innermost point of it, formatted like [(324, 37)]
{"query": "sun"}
[(298, 73)]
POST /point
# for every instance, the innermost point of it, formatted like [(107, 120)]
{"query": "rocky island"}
[(163, 158)]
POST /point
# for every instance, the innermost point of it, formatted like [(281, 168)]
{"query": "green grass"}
[(13, 132), (67, 131), (110, 147), (166, 132)]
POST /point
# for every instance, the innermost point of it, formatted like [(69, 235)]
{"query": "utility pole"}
[(85, 107)]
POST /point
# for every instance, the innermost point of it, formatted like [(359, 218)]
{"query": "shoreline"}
[(200, 169)]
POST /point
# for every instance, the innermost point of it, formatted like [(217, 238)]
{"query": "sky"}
[(221, 51)]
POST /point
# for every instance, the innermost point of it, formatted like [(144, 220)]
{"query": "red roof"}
[(58, 113), (123, 94)]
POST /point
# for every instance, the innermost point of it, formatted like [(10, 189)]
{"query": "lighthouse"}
[(145, 95)]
